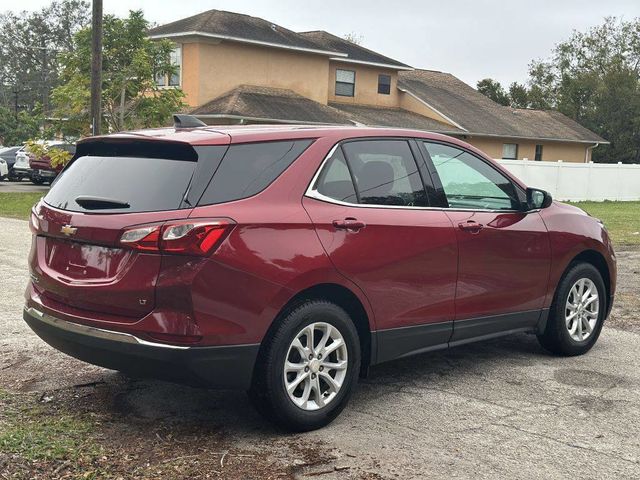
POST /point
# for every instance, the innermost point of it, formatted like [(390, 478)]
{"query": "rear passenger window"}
[(385, 173), (249, 168), (335, 180)]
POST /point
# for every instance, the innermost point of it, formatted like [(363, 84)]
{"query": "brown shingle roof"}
[(480, 115), (394, 117), (327, 41), (253, 102), (237, 26)]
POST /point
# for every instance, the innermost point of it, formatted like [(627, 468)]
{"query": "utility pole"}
[(15, 98), (96, 67)]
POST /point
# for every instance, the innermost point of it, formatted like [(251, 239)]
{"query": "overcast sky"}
[(471, 39)]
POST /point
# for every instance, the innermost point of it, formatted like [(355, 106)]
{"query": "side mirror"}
[(537, 199)]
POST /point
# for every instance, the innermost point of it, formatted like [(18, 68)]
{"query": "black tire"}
[(556, 337), (37, 181), (268, 393)]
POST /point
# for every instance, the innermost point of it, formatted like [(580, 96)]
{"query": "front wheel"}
[(577, 313), (308, 367)]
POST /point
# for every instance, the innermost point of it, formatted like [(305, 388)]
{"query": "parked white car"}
[(4, 169), (21, 168)]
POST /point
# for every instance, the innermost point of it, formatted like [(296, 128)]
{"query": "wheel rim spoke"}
[(333, 347), (587, 325), (333, 385), (299, 379), (317, 392), (294, 367), (335, 366), (315, 372)]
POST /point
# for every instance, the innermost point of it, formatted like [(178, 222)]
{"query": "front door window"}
[(470, 183)]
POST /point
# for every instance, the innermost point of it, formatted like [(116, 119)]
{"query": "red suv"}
[(286, 260)]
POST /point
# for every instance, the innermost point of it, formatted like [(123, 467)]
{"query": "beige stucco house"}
[(236, 68)]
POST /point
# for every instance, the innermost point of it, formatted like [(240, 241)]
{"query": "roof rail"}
[(187, 121)]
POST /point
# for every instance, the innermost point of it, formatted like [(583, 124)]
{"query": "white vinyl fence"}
[(579, 181)]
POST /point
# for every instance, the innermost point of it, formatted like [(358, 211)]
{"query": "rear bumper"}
[(43, 173), (219, 366)]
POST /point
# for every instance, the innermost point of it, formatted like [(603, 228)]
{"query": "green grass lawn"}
[(18, 205), (621, 218)]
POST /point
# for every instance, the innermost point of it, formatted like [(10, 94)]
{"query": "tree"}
[(492, 89), (518, 95), (354, 37), (16, 131), (594, 78), (29, 46), (130, 96)]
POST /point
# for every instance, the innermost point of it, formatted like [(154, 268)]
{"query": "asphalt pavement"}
[(23, 186)]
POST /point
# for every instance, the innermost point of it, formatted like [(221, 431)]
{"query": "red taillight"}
[(183, 237)]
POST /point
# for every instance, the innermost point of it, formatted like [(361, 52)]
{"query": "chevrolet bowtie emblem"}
[(68, 230)]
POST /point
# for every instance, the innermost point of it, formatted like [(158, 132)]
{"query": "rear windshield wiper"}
[(100, 203)]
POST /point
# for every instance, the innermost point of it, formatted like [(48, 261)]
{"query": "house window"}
[(345, 83), (176, 61), (173, 80), (161, 80), (384, 84), (538, 156), (510, 151)]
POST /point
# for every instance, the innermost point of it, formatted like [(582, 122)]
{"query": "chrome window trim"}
[(96, 332), (311, 192)]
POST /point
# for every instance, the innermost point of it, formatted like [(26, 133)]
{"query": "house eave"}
[(543, 139), (371, 64), (196, 33), (261, 119)]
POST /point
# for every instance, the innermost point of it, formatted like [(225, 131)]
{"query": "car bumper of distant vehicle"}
[(4, 170), (44, 173), (21, 170), (218, 366)]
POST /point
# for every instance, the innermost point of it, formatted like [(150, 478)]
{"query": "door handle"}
[(471, 226), (349, 223)]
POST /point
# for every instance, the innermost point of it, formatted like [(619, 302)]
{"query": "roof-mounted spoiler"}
[(187, 121)]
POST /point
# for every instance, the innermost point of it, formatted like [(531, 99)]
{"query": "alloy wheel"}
[(581, 309), (315, 366)]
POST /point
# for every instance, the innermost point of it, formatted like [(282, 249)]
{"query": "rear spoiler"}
[(135, 147)]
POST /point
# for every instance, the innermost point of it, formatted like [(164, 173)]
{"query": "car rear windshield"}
[(121, 184)]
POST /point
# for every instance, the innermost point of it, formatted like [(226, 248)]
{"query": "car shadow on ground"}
[(141, 401)]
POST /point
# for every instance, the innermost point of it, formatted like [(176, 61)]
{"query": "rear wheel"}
[(308, 367), (577, 313)]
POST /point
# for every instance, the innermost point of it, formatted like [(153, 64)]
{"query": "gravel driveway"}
[(503, 408)]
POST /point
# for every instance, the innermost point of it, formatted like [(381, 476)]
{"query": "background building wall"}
[(191, 72), (366, 90), (411, 103), (551, 151), (212, 68)]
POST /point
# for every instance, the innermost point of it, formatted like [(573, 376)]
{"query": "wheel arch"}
[(344, 298), (595, 258)]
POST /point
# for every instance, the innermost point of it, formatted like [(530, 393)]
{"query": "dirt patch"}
[(626, 307)]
